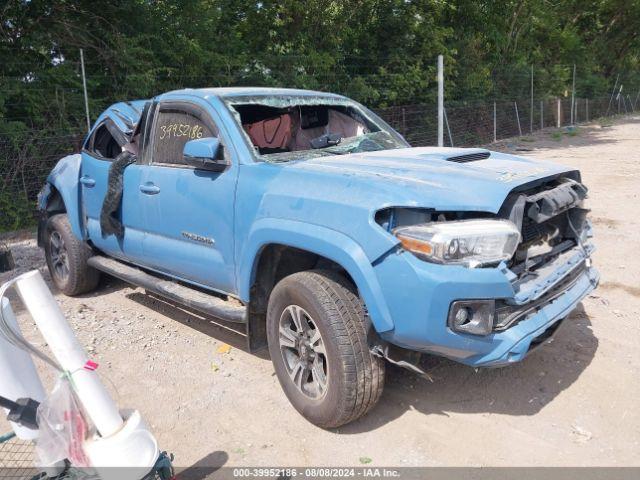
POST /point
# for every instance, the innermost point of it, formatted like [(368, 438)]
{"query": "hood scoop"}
[(470, 157)]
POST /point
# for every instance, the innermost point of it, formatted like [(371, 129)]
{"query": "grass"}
[(568, 131), (557, 136)]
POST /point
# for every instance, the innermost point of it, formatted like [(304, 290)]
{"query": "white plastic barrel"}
[(18, 375)]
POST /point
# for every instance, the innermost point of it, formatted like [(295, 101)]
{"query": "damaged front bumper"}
[(525, 314), (514, 342)]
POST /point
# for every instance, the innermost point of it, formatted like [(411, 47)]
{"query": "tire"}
[(324, 302), (67, 258)]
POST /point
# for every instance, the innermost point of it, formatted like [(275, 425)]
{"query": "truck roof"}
[(127, 114), (230, 92)]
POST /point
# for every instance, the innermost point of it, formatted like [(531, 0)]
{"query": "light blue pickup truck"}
[(305, 217)]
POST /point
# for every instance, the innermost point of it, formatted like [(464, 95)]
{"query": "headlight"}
[(471, 243)]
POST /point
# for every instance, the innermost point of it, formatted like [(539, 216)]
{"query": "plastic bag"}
[(62, 427)]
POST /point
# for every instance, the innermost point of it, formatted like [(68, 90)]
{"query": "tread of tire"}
[(82, 278), (366, 370)]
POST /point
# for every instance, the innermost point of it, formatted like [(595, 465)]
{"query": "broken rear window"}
[(293, 128)]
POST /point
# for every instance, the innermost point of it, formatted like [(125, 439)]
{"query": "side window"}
[(175, 126), (102, 144)]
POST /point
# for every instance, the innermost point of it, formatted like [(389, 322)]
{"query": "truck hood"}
[(441, 178)]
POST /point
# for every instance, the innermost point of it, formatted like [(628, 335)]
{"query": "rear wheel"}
[(67, 258), (317, 335)]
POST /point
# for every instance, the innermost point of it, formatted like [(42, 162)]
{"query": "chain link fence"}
[(27, 155), (481, 123)]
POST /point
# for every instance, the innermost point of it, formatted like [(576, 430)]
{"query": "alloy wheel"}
[(59, 256), (303, 352)]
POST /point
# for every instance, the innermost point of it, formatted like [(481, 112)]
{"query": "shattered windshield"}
[(367, 142), (286, 128)]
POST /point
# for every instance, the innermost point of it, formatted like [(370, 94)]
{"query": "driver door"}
[(189, 213)]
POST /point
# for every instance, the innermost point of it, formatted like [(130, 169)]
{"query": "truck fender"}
[(64, 178), (322, 241)]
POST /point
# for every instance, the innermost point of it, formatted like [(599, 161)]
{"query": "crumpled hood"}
[(426, 177)]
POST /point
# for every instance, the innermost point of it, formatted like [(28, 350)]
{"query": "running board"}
[(190, 297)]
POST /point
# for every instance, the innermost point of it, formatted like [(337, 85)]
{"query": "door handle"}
[(87, 181), (149, 188)]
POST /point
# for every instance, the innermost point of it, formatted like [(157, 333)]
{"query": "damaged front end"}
[(492, 306), (554, 251)]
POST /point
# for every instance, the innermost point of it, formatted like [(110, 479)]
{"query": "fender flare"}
[(322, 241), (64, 178)]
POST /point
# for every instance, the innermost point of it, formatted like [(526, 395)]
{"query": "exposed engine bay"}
[(551, 220)]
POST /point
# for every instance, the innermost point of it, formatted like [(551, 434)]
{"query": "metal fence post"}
[(531, 113), (84, 86), (541, 115), (612, 95), (518, 118), (494, 123), (575, 110), (440, 101), (573, 93), (559, 112), (586, 107), (618, 104), (446, 120)]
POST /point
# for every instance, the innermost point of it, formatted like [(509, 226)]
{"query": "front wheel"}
[(67, 258), (317, 334)]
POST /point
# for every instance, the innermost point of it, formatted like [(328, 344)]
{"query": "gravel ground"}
[(572, 402)]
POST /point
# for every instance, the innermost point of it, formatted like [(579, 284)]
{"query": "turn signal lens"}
[(415, 246)]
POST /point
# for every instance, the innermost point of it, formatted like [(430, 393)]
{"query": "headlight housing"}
[(471, 243)]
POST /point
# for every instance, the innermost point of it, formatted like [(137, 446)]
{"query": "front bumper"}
[(420, 308)]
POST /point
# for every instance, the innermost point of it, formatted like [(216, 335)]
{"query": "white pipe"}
[(55, 329), (18, 375)]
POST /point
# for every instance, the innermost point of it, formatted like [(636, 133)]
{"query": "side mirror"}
[(204, 154)]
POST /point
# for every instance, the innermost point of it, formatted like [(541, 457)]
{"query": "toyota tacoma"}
[(305, 218)]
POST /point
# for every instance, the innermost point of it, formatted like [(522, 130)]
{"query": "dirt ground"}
[(574, 401)]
